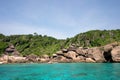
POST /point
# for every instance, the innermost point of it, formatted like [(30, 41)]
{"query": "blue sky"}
[(58, 18)]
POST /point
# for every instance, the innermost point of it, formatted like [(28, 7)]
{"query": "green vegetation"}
[(39, 45), (31, 44), (94, 38)]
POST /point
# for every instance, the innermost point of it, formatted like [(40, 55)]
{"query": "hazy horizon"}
[(51, 35), (58, 18)]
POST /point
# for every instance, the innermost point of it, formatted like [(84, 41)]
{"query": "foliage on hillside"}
[(31, 44), (39, 45), (94, 38)]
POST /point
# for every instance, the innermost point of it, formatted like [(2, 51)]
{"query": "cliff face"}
[(107, 53)]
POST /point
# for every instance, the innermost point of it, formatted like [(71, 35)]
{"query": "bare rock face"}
[(35, 58), (79, 59), (90, 60), (107, 51), (4, 59), (12, 59), (10, 50), (16, 59), (81, 51), (116, 54), (71, 55), (60, 59), (109, 47), (32, 58), (44, 58), (96, 54)]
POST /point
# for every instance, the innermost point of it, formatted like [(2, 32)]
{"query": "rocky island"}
[(92, 46)]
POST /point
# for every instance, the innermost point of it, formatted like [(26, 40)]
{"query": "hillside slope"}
[(39, 45), (94, 38), (31, 44)]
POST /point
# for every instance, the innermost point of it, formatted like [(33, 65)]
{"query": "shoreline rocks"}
[(116, 54), (107, 53)]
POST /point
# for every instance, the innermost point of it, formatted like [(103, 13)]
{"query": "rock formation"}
[(107, 53), (115, 53), (12, 59), (10, 50)]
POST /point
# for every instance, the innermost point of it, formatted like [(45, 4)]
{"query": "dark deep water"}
[(60, 71)]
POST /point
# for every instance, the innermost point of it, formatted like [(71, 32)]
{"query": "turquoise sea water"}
[(61, 71)]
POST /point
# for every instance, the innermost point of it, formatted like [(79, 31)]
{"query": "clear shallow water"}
[(61, 71)]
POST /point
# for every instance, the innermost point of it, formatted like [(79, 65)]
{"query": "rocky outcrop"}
[(71, 55), (20, 59), (107, 53), (10, 50), (32, 58), (16, 59), (96, 54), (44, 58), (12, 59), (116, 54), (90, 60), (82, 55)]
